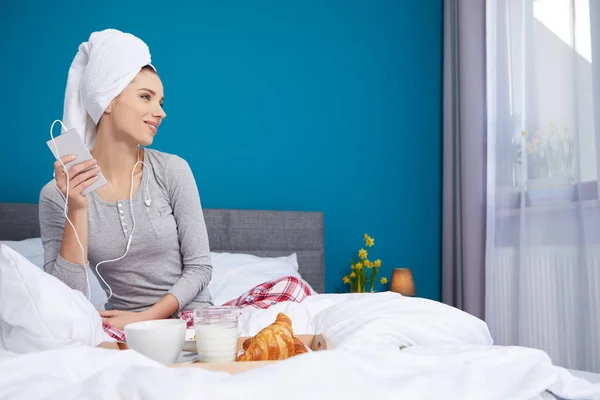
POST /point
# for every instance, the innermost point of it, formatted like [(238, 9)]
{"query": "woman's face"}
[(137, 112)]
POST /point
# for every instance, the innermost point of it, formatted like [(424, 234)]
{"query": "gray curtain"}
[(464, 156)]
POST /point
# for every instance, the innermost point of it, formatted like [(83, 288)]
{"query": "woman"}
[(167, 268)]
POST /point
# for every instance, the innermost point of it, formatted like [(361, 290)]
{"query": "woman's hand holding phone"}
[(81, 176)]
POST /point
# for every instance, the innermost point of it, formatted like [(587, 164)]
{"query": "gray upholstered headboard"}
[(263, 233)]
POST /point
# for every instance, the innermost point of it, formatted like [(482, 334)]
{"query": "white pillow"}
[(235, 273), (39, 312), (33, 250)]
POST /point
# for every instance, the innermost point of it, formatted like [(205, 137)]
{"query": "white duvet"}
[(385, 347)]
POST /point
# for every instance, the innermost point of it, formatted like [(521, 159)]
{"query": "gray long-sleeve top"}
[(169, 252)]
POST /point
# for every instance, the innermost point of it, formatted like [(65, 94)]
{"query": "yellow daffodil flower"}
[(362, 253), (346, 279), (383, 280), (368, 264), (359, 266), (353, 274), (369, 241), (377, 263)]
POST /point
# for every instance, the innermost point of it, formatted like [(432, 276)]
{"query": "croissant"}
[(299, 347), (274, 342)]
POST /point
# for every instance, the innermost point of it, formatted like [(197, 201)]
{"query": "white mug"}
[(161, 340)]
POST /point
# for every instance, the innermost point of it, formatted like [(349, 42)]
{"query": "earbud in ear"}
[(148, 202)]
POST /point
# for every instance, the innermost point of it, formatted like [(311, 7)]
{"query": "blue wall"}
[(324, 105)]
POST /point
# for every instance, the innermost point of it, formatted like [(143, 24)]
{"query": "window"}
[(563, 75)]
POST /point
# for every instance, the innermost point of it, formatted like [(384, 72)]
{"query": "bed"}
[(384, 345)]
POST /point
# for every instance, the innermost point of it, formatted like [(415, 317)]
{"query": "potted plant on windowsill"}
[(550, 157)]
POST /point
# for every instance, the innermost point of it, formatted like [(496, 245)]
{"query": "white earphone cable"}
[(132, 229), (147, 202)]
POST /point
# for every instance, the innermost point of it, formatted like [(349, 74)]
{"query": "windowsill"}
[(551, 224), (508, 204), (550, 207)]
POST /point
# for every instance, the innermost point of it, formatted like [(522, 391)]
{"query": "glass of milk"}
[(216, 333)]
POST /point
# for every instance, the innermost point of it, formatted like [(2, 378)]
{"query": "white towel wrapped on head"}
[(100, 71)]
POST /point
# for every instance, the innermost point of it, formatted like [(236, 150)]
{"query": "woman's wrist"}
[(146, 315), (78, 207), (77, 212), (165, 308), (149, 314)]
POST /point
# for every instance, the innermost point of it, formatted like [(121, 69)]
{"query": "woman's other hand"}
[(118, 319)]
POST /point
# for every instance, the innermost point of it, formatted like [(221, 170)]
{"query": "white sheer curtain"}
[(543, 212)]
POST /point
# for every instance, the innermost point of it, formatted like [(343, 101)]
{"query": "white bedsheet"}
[(448, 355)]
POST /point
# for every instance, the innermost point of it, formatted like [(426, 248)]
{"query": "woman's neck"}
[(116, 159)]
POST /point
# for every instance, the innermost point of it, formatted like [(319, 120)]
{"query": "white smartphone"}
[(70, 143)]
